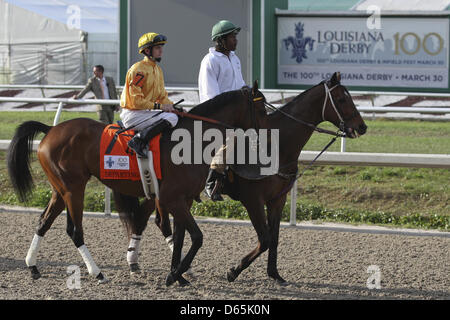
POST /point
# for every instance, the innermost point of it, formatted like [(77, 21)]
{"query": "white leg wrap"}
[(30, 260), (169, 241), (133, 249), (90, 264)]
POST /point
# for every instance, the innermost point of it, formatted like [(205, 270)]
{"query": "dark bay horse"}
[(69, 156), (327, 101)]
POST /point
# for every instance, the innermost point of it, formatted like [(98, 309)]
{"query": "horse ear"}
[(255, 86), (336, 78)]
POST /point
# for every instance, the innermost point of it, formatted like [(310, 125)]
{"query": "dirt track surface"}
[(317, 264)]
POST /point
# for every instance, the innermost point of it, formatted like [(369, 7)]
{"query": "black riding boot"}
[(214, 184), (139, 143)]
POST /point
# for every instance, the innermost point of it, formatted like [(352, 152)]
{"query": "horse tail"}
[(18, 158)]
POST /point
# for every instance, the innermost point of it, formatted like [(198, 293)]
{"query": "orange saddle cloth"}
[(118, 161)]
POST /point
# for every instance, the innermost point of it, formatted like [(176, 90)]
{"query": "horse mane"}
[(211, 106), (295, 100), (302, 95)]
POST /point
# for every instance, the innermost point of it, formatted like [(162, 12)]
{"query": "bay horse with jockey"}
[(69, 155)]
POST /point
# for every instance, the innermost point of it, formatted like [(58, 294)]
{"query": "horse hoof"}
[(101, 278), (134, 269), (183, 282), (231, 275), (279, 280), (35, 274), (170, 280)]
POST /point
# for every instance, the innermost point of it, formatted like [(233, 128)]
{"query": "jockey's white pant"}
[(137, 117), (219, 161)]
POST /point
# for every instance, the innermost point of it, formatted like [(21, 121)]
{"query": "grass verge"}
[(406, 197)]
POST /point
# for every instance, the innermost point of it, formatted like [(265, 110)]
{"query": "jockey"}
[(144, 95), (220, 71)]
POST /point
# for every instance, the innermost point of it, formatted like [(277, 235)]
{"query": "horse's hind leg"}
[(48, 216), (73, 198), (134, 217)]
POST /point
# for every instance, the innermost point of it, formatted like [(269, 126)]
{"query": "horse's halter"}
[(314, 127), (328, 95)]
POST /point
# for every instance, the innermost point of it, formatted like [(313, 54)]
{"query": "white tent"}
[(38, 50)]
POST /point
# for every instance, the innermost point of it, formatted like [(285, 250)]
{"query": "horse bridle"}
[(335, 108), (251, 99), (341, 118), (328, 95)]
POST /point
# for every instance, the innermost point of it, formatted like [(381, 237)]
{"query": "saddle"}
[(248, 171), (251, 169), (118, 161), (231, 186)]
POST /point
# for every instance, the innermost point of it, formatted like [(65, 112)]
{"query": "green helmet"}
[(222, 28)]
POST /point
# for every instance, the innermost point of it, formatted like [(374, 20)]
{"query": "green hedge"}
[(94, 201), (308, 212)]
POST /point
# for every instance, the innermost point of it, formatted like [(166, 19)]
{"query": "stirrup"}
[(148, 175), (138, 146), (215, 194), (213, 184)]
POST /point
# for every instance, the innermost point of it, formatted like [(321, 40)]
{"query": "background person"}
[(220, 71), (103, 88)]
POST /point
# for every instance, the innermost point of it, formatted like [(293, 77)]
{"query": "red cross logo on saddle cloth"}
[(117, 161)]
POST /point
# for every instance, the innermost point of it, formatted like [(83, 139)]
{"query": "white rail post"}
[(343, 142), (43, 95), (293, 219), (58, 114), (372, 99), (107, 201)]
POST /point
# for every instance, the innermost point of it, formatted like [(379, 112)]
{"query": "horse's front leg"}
[(162, 221), (176, 246), (183, 220), (255, 209), (274, 210)]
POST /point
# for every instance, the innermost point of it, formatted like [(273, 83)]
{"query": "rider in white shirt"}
[(220, 71)]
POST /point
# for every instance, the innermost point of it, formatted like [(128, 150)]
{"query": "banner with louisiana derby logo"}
[(402, 52)]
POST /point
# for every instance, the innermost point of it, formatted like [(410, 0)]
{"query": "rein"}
[(181, 113), (320, 130), (316, 128), (297, 176), (196, 117)]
